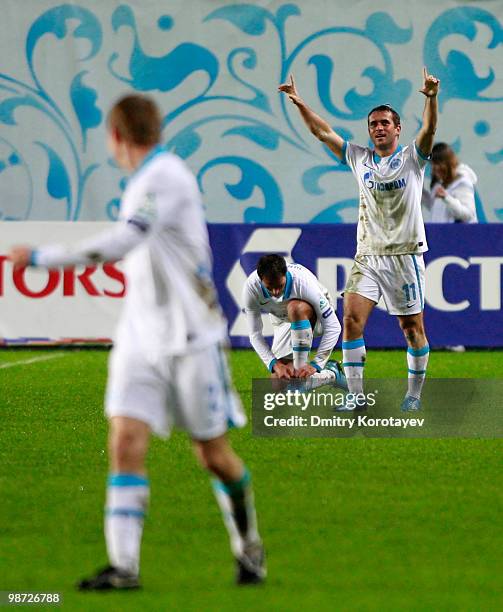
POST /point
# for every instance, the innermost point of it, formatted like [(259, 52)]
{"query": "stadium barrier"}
[(462, 302)]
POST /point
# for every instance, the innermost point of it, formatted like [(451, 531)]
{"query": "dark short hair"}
[(137, 120), (386, 107), (271, 266)]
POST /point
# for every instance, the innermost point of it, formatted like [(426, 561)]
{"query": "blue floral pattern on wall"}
[(214, 70)]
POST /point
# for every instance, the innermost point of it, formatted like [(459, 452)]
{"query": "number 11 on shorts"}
[(408, 289)]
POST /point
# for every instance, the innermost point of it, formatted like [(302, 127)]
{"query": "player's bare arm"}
[(426, 134), (316, 124)]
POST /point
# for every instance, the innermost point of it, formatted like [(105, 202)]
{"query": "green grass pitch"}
[(349, 524)]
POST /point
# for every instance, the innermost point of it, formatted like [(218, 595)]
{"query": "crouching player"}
[(299, 308), (167, 367)]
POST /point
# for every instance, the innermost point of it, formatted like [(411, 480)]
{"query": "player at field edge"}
[(390, 236), (299, 308), (167, 366)]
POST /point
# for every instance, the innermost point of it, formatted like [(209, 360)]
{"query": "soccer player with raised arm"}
[(390, 237), (299, 307), (167, 366)]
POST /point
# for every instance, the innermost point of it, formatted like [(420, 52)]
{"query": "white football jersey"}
[(301, 284), (459, 203), (390, 221), (171, 305)]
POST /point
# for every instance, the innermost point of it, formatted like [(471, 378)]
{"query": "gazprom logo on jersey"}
[(371, 183), (395, 163)]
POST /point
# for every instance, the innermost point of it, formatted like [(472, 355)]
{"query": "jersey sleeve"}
[(418, 157), (251, 309), (331, 328), (110, 245), (352, 154)]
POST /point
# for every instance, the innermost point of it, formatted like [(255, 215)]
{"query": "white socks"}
[(353, 360), (302, 339), (417, 360), (127, 500)]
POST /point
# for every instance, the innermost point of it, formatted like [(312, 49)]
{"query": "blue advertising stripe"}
[(328, 249)]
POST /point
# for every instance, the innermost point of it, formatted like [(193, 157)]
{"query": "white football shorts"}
[(192, 392), (398, 279), (282, 340)]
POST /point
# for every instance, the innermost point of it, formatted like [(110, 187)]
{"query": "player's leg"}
[(357, 309), (403, 291), (135, 406), (281, 345), (418, 352), (300, 315), (234, 494), (207, 407), (127, 492), (303, 321), (126, 504)]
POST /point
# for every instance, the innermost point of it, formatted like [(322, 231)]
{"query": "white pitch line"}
[(28, 361)]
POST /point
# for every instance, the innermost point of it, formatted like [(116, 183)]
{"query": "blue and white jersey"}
[(301, 284), (171, 306), (390, 221)]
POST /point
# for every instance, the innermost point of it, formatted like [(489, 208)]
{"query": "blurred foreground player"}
[(299, 308), (167, 366), (390, 237)]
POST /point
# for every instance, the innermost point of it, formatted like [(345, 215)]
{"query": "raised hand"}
[(290, 90), (430, 84)]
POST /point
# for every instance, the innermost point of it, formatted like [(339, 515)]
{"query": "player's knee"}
[(127, 449), (413, 331), (353, 325), (299, 310)]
